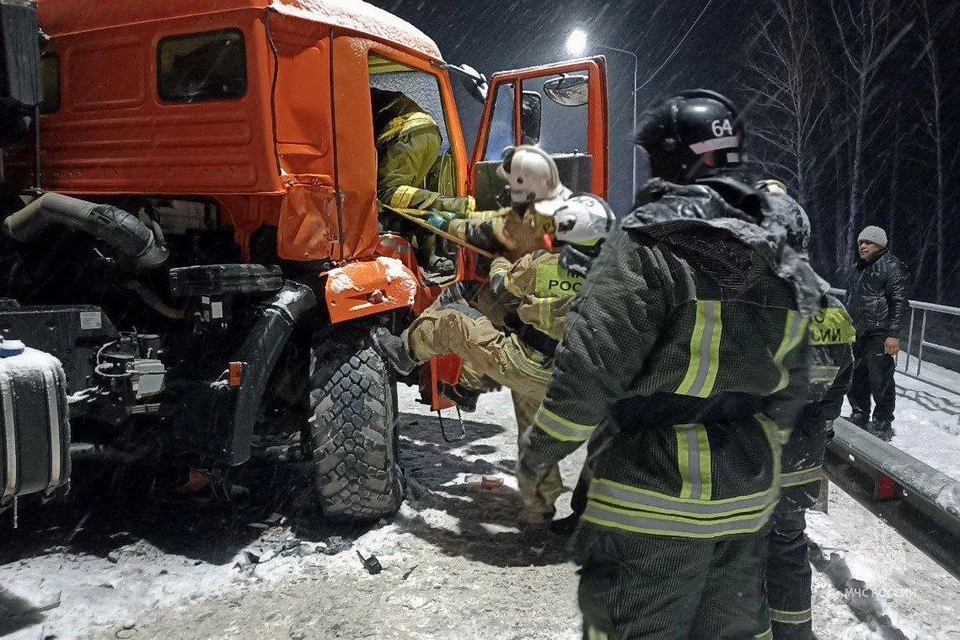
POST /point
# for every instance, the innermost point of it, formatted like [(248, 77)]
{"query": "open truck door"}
[(563, 108)]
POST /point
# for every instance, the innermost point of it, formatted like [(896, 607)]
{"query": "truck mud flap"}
[(219, 417)]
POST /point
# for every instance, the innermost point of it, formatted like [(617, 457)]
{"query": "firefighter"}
[(687, 342), (408, 145), (515, 231), (788, 614), (539, 288)]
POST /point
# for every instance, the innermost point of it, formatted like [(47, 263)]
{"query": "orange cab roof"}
[(72, 16)]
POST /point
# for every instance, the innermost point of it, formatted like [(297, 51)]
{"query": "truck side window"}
[(201, 67), (50, 78), (422, 88), (564, 128)]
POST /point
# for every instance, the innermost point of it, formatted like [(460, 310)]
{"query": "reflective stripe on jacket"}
[(831, 335), (689, 343)]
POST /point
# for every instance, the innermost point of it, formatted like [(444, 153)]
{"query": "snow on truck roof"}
[(360, 16), (72, 16)]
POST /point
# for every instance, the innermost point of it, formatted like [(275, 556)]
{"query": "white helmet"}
[(583, 219), (771, 186), (531, 174)]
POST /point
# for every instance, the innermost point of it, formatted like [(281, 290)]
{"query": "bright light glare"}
[(577, 42)]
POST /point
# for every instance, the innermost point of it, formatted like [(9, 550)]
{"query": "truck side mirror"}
[(568, 91), (531, 116), (20, 87), (474, 81)]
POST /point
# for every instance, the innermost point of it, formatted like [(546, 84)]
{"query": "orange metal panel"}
[(356, 156), (443, 369), (303, 110), (360, 289), (396, 246), (308, 228), (112, 135)]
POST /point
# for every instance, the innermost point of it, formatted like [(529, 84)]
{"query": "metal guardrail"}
[(921, 503), (924, 308)]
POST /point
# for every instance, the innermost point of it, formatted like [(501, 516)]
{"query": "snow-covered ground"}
[(452, 565), (921, 599), (928, 417)]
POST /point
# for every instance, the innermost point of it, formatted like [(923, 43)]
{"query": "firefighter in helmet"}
[(687, 343)]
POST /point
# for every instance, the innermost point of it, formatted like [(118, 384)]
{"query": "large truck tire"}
[(353, 428)]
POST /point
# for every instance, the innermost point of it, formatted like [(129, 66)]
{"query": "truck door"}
[(561, 107)]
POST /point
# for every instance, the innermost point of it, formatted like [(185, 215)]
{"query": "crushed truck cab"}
[(191, 226)]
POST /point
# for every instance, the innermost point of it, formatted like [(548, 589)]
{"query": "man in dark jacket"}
[(688, 345), (877, 302)]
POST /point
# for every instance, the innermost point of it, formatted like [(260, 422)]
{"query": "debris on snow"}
[(450, 560)]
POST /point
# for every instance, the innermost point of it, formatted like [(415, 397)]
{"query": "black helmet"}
[(691, 135)]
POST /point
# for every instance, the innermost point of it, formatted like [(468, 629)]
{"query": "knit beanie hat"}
[(876, 235)]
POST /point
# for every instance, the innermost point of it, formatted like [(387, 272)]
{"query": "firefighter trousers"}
[(787, 577), (644, 587), (465, 332)]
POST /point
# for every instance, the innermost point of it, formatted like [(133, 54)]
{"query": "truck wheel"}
[(353, 428)]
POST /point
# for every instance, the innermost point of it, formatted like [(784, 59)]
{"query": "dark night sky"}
[(492, 36)]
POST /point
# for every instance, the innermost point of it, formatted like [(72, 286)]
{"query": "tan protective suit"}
[(541, 294)]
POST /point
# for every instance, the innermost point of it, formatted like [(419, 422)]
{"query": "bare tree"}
[(931, 111), (788, 83), (897, 143), (865, 38)]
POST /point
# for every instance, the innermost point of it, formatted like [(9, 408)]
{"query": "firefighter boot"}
[(393, 350), (464, 397)]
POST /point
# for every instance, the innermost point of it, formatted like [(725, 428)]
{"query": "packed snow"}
[(339, 281), (396, 271), (452, 563)]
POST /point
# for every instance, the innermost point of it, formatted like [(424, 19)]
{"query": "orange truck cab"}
[(192, 210)]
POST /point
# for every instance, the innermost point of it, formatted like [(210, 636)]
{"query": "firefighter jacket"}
[(538, 289), (688, 340), (408, 144), (877, 296), (831, 335), (509, 231)]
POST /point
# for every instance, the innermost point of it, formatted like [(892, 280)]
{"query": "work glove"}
[(438, 222), (440, 219), (460, 207)]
